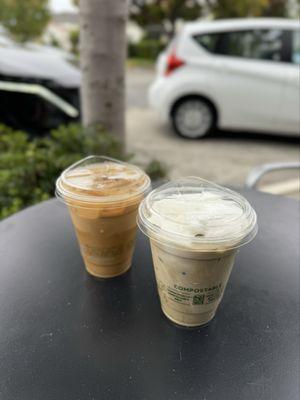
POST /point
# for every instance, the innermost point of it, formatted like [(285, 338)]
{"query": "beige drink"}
[(195, 229), (103, 196)]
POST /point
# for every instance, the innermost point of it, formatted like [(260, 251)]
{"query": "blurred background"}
[(212, 89)]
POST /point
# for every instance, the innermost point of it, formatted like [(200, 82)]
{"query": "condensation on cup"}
[(195, 229), (103, 195)]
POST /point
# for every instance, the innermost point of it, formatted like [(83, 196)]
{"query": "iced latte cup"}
[(195, 228), (103, 196)]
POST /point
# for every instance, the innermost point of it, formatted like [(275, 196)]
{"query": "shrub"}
[(74, 41), (156, 169), (29, 168), (54, 42), (146, 49)]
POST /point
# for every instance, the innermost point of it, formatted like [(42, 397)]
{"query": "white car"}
[(240, 74)]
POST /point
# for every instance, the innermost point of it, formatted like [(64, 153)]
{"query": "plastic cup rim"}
[(172, 239), (67, 196)]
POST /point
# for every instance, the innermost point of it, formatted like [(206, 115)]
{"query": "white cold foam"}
[(208, 215)]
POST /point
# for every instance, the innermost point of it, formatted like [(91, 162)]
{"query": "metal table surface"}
[(64, 335)]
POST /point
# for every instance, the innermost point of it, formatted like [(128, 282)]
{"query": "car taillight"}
[(173, 62)]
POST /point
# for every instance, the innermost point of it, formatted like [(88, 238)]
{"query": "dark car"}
[(39, 86)]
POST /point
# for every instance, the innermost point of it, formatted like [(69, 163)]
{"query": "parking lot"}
[(225, 157)]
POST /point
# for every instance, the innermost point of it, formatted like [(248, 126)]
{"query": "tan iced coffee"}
[(195, 228), (103, 196)]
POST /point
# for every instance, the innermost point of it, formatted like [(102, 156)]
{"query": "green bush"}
[(29, 168), (156, 169), (54, 42), (147, 49), (74, 41)]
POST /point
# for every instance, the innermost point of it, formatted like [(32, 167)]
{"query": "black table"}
[(64, 335)]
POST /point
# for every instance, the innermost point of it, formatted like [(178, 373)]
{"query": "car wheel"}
[(193, 118)]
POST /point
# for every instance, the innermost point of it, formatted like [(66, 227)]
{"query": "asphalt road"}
[(224, 157), (137, 83)]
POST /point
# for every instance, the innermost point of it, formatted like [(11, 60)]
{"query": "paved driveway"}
[(137, 83), (223, 157)]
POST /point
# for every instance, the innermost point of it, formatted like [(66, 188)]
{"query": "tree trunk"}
[(102, 59)]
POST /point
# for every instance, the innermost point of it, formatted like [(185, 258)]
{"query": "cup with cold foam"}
[(195, 228), (103, 195)]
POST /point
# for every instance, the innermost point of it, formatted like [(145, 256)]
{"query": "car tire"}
[(193, 118)]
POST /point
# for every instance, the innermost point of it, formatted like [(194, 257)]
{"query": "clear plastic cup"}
[(103, 195), (195, 229)]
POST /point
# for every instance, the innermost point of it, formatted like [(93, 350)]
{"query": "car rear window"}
[(209, 41), (261, 44)]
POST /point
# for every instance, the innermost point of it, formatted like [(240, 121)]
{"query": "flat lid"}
[(199, 214), (101, 179)]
